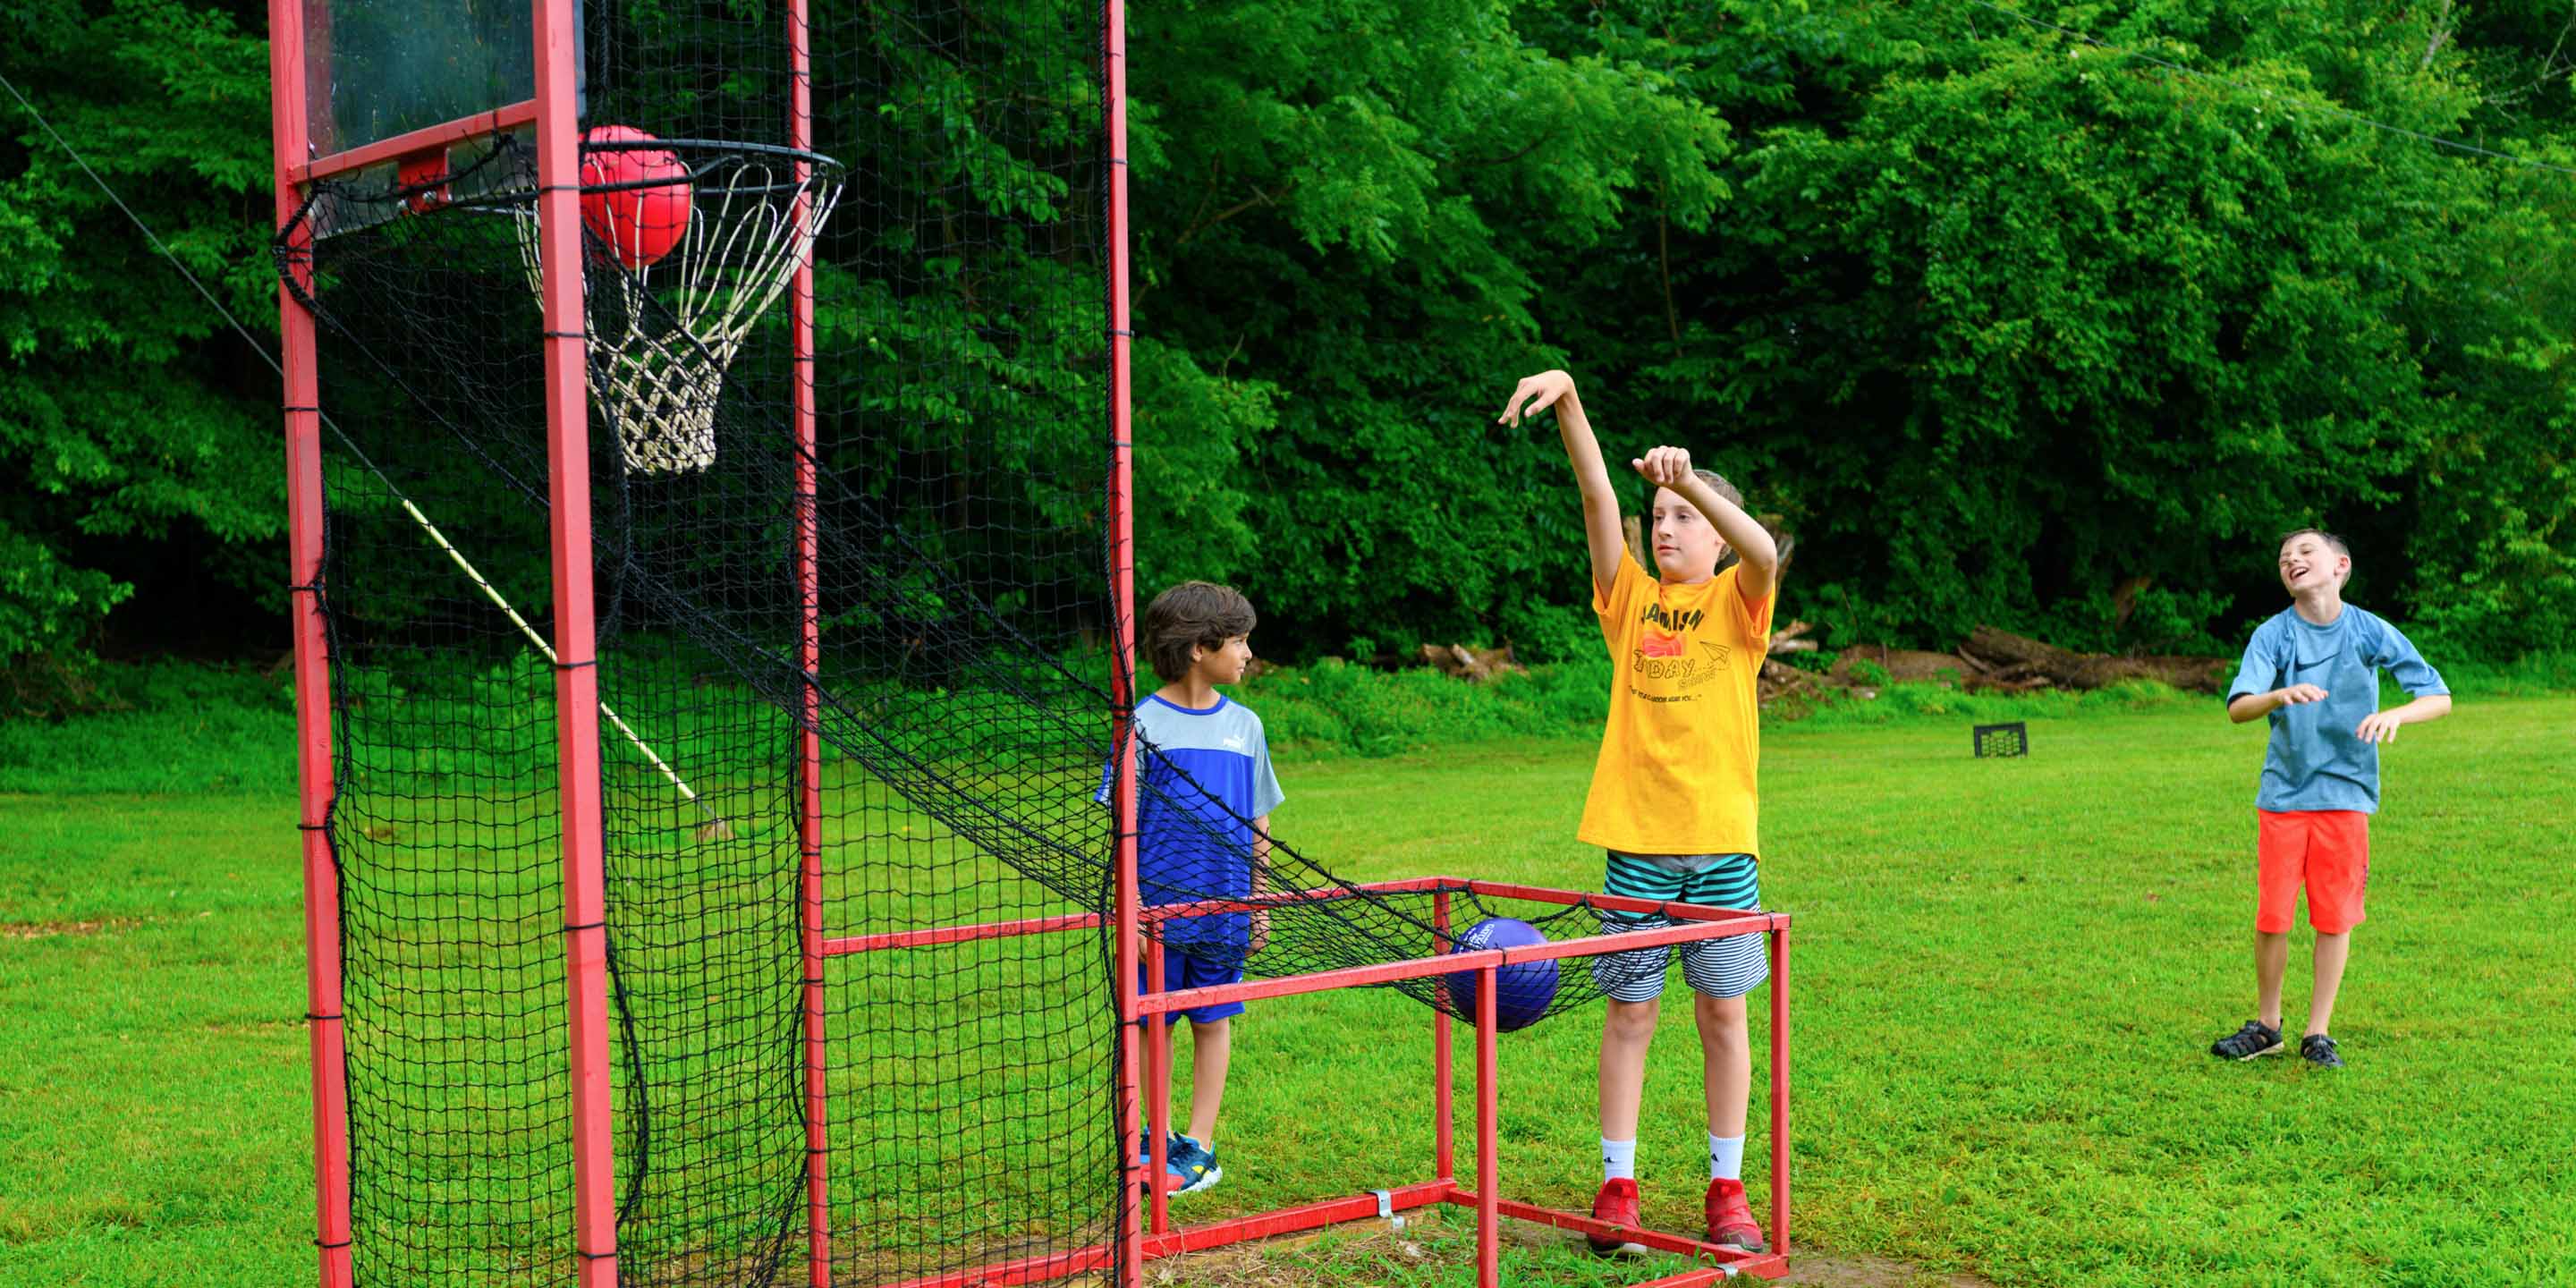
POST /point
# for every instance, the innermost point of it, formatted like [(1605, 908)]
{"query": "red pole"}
[(809, 751), (1780, 1090), (1158, 1091), (1122, 605), (1443, 1147), (303, 425), (1489, 1220), (576, 666)]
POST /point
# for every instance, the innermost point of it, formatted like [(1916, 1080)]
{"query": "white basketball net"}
[(658, 356)]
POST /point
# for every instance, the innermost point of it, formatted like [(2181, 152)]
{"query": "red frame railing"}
[(809, 660), (1148, 1012), (429, 141), (313, 761), (1128, 1111), (576, 661)]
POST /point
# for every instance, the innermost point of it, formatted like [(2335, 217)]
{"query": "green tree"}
[(133, 428), (2024, 329), (1349, 216), (2011, 326)]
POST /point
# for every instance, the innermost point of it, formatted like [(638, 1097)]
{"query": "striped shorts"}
[(1728, 967)]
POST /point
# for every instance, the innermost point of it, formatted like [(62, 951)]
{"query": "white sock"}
[(1618, 1159), (1725, 1158)]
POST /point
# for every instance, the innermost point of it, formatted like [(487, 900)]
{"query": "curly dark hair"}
[(1199, 613)]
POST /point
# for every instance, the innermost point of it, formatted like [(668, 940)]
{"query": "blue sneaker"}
[(1145, 1148), (1192, 1166)]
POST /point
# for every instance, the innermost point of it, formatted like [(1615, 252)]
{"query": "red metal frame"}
[(432, 139), (1489, 1155), (576, 667), (1122, 671), (1443, 1132), (1438, 887), (1197, 1238), (937, 935), (1780, 1092), (303, 432), (1145, 1012), (1158, 1093), (1391, 972), (809, 751)]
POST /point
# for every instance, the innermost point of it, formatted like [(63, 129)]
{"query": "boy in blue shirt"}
[(2314, 671), (1204, 793)]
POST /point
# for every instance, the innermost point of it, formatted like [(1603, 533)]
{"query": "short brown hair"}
[(1194, 613), (2333, 542), (1716, 483)]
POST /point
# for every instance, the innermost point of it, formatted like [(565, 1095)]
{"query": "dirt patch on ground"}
[(1440, 1247), (50, 929), (1826, 1270)]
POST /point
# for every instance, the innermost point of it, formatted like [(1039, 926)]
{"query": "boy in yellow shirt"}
[(1673, 795)]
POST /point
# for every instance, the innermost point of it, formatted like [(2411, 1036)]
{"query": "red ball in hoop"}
[(642, 222)]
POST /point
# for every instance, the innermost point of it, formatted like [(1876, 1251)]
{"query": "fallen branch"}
[(2017, 662), (1471, 664)]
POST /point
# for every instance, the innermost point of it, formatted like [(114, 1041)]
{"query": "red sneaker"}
[(1730, 1218), (1617, 1204)]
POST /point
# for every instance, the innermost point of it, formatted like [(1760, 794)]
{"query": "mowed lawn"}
[(2005, 976)]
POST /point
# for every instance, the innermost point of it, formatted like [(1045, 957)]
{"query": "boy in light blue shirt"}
[(2314, 671), (1204, 793)]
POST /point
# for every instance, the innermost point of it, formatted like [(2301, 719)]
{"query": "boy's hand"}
[(1664, 466), (2379, 726), (1260, 932), (2297, 694), (1540, 391)]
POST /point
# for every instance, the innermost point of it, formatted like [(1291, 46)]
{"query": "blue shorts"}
[(1180, 970)]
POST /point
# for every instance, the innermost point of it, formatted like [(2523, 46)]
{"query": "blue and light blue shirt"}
[(1203, 775), (2315, 760)]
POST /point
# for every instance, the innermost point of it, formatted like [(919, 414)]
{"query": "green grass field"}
[(2006, 973)]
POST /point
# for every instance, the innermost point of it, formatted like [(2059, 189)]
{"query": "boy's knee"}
[(1632, 1019), (1721, 1017)]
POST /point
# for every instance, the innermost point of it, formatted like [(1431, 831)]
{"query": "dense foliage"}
[(2007, 326)]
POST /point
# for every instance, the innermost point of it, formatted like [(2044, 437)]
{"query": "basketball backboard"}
[(409, 92), (380, 69)]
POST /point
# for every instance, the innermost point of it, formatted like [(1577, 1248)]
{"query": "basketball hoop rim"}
[(700, 158)]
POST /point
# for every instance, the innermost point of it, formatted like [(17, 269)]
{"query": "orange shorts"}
[(2327, 851)]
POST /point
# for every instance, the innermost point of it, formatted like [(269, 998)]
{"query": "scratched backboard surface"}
[(376, 69)]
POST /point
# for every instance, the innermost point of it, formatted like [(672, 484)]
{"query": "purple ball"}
[(1521, 990)]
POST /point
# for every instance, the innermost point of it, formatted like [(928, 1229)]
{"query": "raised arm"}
[(1671, 467), (1591, 476)]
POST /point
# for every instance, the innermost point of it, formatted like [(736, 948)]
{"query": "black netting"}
[(956, 175)]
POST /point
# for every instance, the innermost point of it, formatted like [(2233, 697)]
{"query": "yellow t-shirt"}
[(1678, 758)]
